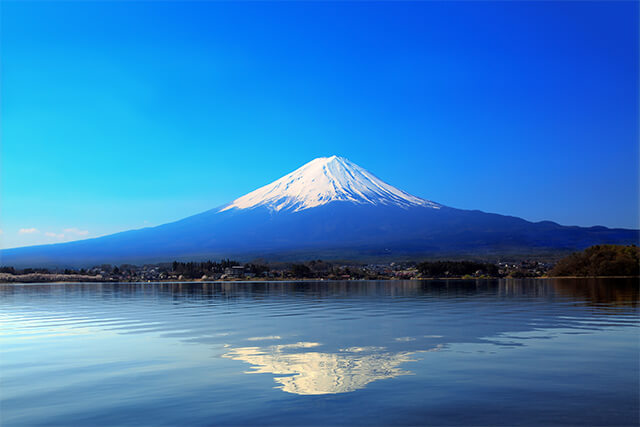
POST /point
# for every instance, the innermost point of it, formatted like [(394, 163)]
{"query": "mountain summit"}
[(329, 208), (325, 180)]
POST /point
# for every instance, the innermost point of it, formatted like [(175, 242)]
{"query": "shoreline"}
[(90, 279)]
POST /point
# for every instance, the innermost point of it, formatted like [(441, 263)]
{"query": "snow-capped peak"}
[(325, 180)]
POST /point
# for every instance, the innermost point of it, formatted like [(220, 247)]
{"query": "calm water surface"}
[(508, 352)]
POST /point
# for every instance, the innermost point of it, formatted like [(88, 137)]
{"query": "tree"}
[(600, 260), (7, 269), (455, 268), (300, 270)]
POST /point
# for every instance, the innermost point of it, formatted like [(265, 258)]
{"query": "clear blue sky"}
[(119, 115)]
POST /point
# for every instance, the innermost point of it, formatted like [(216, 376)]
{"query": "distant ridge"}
[(329, 208)]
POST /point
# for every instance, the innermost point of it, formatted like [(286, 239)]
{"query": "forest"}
[(600, 260)]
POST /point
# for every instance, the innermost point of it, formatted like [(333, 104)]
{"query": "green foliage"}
[(195, 270), (320, 266), (300, 270), (12, 270), (600, 260), (455, 268), (520, 274)]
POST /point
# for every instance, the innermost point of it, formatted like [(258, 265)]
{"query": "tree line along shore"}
[(596, 261)]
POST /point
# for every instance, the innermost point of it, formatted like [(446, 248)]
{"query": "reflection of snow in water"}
[(311, 372)]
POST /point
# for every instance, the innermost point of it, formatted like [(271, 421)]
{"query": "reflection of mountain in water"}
[(311, 372)]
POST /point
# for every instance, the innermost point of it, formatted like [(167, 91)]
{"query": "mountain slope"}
[(325, 180), (329, 208)]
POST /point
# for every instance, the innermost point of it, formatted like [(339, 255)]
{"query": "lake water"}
[(494, 352)]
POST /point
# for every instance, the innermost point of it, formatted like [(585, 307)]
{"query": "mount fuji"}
[(328, 208)]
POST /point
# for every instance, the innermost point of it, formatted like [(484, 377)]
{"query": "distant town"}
[(318, 270), (598, 260)]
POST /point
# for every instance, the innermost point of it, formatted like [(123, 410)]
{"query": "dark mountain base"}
[(333, 231)]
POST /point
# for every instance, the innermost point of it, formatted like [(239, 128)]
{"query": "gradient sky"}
[(120, 115)]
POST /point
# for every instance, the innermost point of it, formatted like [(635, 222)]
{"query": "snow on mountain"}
[(325, 180)]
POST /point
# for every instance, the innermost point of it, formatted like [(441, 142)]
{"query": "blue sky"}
[(120, 115)]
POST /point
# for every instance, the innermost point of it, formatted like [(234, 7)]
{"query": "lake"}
[(486, 352)]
